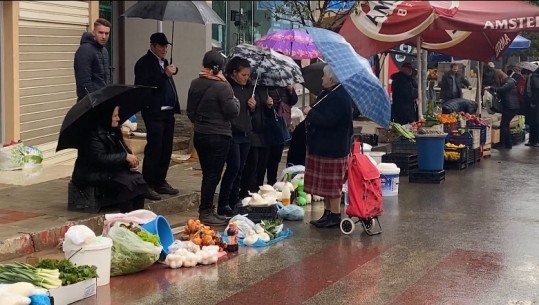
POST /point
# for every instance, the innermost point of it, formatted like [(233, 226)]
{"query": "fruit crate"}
[(403, 145), (471, 156), (482, 133), (461, 162), (371, 139), (386, 135), (495, 135), (450, 127), (477, 154), (466, 138), (486, 150), (405, 161), (418, 176)]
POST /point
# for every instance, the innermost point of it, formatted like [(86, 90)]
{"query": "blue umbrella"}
[(355, 74)]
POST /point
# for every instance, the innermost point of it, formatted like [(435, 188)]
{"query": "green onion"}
[(20, 272)]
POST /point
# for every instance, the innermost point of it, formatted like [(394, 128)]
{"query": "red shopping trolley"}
[(364, 193)]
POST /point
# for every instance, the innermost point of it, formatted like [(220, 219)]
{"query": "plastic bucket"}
[(98, 254), (376, 155), (389, 179), (430, 152), (161, 227)]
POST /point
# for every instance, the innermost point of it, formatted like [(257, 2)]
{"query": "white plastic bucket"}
[(98, 254), (389, 178), (376, 155)]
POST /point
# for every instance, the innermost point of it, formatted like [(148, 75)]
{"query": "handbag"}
[(496, 103), (276, 131)]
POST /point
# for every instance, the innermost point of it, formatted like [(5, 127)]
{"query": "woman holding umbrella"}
[(329, 130), (104, 160)]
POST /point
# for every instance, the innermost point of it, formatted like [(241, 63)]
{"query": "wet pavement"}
[(470, 240)]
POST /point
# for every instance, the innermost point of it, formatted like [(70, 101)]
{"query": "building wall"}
[(191, 41)]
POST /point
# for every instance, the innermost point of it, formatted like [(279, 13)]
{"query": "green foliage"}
[(312, 13), (69, 273)]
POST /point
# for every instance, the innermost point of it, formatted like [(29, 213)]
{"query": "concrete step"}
[(51, 238)]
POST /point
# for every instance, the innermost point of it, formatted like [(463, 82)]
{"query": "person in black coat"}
[(154, 70), (404, 95), (238, 72), (452, 84), (329, 130), (105, 161), (459, 105), (531, 104), (506, 89)]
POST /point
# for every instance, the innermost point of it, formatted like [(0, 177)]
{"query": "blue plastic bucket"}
[(161, 227), (430, 152)]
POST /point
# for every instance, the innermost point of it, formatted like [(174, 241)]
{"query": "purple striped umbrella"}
[(294, 43)]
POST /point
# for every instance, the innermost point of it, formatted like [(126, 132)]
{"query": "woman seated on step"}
[(105, 161)]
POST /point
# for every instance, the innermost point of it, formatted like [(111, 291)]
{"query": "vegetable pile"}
[(39, 277), (200, 234), (69, 273)]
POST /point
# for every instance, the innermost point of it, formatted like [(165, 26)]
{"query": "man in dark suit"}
[(154, 70), (452, 83)]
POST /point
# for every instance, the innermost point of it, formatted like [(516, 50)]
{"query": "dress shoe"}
[(331, 221), (209, 217), (532, 144), (225, 211), (165, 188), (321, 219), (152, 194)]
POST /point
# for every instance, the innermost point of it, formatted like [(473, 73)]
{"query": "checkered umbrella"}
[(355, 74), (275, 70)]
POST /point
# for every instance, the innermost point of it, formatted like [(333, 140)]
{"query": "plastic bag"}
[(243, 223), (130, 253), (32, 156), (12, 157), (78, 236), (290, 212)]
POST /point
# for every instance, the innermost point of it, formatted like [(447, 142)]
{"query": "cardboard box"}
[(72, 293)]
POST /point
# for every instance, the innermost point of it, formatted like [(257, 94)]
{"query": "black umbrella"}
[(82, 116), (313, 77), (182, 11)]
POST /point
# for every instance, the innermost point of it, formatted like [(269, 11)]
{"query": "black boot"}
[(333, 220), (322, 219), (225, 211), (209, 217)]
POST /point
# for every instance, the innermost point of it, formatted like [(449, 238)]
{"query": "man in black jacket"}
[(154, 70), (91, 62), (452, 84)]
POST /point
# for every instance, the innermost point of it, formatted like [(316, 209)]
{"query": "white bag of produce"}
[(78, 236), (130, 253)]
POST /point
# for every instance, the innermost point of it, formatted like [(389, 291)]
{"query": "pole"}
[(159, 26), (478, 99), (419, 79)]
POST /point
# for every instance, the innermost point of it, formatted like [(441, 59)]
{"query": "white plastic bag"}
[(243, 223), (78, 236)]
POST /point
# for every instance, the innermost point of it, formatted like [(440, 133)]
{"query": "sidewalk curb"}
[(30, 242)]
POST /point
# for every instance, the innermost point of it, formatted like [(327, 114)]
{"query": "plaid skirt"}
[(325, 176)]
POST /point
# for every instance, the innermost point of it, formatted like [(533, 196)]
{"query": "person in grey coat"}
[(211, 107), (506, 89), (452, 83), (531, 104), (92, 62)]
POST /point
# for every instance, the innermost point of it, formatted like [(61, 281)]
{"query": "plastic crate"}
[(405, 161), (466, 138), (256, 214), (418, 176), (403, 145), (462, 161), (477, 153), (371, 139), (471, 156)]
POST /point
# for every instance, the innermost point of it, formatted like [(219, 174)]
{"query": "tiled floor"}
[(9, 216)]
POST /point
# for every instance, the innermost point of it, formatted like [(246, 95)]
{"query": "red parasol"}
[(477, 30)]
